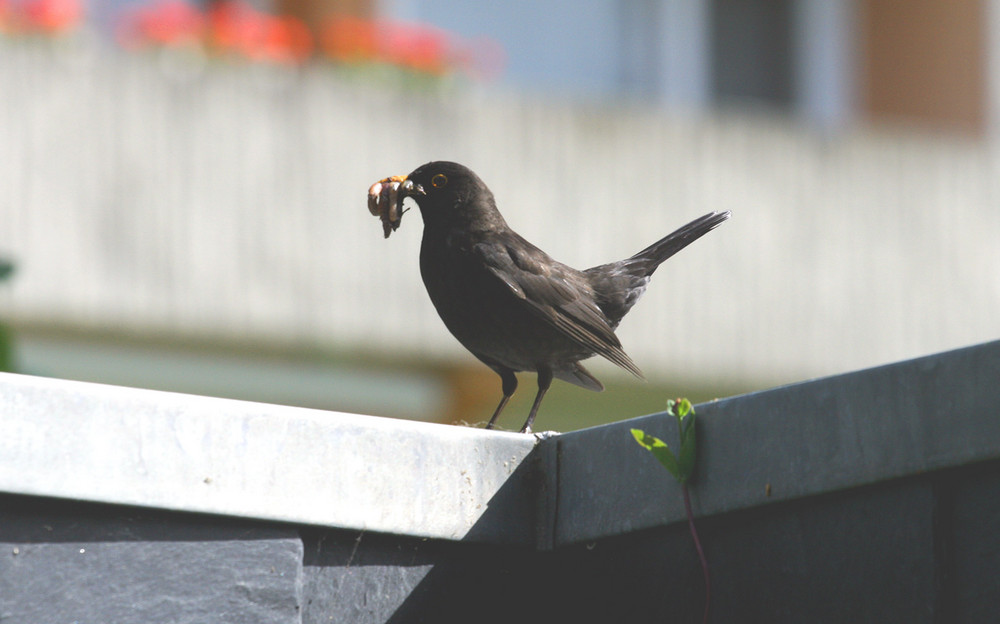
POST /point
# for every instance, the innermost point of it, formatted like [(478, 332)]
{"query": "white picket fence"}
[(229, 202)]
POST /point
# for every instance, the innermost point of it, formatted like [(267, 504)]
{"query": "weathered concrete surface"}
[(171, 451)]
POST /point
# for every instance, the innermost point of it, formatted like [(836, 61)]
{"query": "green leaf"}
[(659, 449), (643, 439), (666, 457), (647, 441), (684, 408), (686, 457), (679, 408)]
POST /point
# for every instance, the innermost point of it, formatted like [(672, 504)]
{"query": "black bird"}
[(507, 301)]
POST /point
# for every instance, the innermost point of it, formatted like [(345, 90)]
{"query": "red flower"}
[(235, 27), (6, 14), (52, 16), (349, 39), (168, 22), (287, 40), (238, 27), (420, 48)]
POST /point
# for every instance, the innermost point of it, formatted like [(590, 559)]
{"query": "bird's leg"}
[(544, 381), (509, 386)]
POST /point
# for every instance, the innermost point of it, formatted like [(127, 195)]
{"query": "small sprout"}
[(680, 466)]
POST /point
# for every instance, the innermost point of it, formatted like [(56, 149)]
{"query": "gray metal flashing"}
[(83, 441), (809, 438)]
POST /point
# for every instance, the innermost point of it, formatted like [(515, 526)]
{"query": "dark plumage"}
[(507, 301)]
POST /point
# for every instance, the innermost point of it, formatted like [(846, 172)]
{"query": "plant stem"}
[(701, 553)]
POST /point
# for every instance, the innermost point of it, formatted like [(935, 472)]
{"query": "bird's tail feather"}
[(580, 376), (645, 262)]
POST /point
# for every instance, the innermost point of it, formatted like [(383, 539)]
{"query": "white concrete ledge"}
[(126, 446)]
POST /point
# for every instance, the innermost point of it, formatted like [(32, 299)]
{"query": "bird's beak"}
[(411, 188), (385, 200)]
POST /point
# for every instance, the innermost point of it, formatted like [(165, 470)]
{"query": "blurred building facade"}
[(831, 62), (213, 210)]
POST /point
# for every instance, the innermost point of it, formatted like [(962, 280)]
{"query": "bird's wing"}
[(547, 288)]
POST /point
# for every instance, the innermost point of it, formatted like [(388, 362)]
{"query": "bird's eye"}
[(439, 180)]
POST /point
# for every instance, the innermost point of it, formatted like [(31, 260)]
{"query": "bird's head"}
[(446, 193)]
